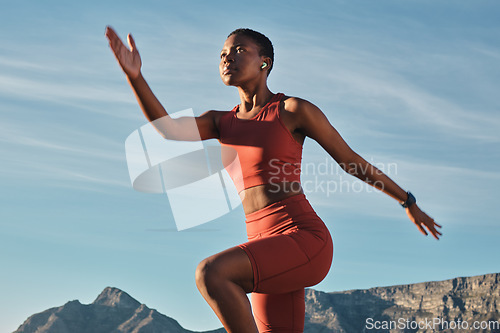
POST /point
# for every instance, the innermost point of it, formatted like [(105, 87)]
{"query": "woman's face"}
[(240, 61)]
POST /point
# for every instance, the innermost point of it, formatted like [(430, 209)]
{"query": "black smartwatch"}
[(409, 201)]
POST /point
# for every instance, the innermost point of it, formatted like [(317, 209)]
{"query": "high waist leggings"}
[(290, 248)]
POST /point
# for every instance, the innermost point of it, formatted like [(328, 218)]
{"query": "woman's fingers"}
[(422, 220), (131, 42), (432, 228), (109, 31), (114, 41), (424, 223), (112, 36), (434, 234), (422, 230)]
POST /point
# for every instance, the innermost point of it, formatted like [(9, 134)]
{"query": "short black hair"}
[(265, 46)]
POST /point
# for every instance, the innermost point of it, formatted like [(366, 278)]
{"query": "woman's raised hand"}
[(129, 60)]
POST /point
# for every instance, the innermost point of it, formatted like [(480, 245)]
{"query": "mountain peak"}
[(114, 297)]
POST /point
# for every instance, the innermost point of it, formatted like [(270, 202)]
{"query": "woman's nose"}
[(229, 57)]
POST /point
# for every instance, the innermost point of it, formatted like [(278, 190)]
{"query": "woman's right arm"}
[(183, 128)]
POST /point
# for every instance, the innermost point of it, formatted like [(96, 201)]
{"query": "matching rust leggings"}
[(290, 248)]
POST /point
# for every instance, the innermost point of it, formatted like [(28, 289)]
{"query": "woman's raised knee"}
[(207, 275), (230, 266)]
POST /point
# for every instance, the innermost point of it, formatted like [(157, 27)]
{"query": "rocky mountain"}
[(113, 311), (454, 305)]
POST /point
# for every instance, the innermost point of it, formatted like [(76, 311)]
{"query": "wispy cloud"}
[(28, 153), (60, 173), (388, 85), (23, 65), (487, 50), (29, 135), (423, 106), (43, 89)]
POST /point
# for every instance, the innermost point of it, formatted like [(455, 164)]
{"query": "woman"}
[(289, 247)]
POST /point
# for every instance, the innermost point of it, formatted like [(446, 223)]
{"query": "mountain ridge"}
[(462, 299)]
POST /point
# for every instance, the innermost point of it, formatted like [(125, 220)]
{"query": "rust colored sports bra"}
[(260, 150)]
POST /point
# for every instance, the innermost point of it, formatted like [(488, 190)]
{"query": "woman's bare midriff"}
[(258, 197)]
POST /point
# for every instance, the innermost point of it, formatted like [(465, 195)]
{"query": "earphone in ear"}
[(264, 65)]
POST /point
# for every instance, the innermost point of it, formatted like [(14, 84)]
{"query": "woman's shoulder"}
[(221, 114), (217, 119), (296, 104), (212, 119), (215, 114)]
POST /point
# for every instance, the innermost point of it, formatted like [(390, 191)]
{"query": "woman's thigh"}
[(290, 261)]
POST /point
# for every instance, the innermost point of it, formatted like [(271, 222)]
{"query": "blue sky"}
[(411, 85)]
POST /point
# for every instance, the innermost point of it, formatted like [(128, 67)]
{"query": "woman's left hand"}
[(423, 221)]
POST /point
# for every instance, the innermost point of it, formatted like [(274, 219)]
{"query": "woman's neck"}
[(253, 98)]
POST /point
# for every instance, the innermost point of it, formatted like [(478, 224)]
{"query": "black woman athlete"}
[(289, 247)]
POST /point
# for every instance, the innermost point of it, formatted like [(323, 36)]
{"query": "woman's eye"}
[(239, 50)]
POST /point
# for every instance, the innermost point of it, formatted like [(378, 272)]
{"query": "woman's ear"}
[(266, 63)]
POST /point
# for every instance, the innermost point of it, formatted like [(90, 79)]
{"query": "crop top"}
[(260, 150)]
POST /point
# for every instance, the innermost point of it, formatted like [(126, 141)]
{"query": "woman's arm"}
[(313, 123), (183, 128)]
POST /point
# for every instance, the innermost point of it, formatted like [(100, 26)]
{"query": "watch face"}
[(409, 201)]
